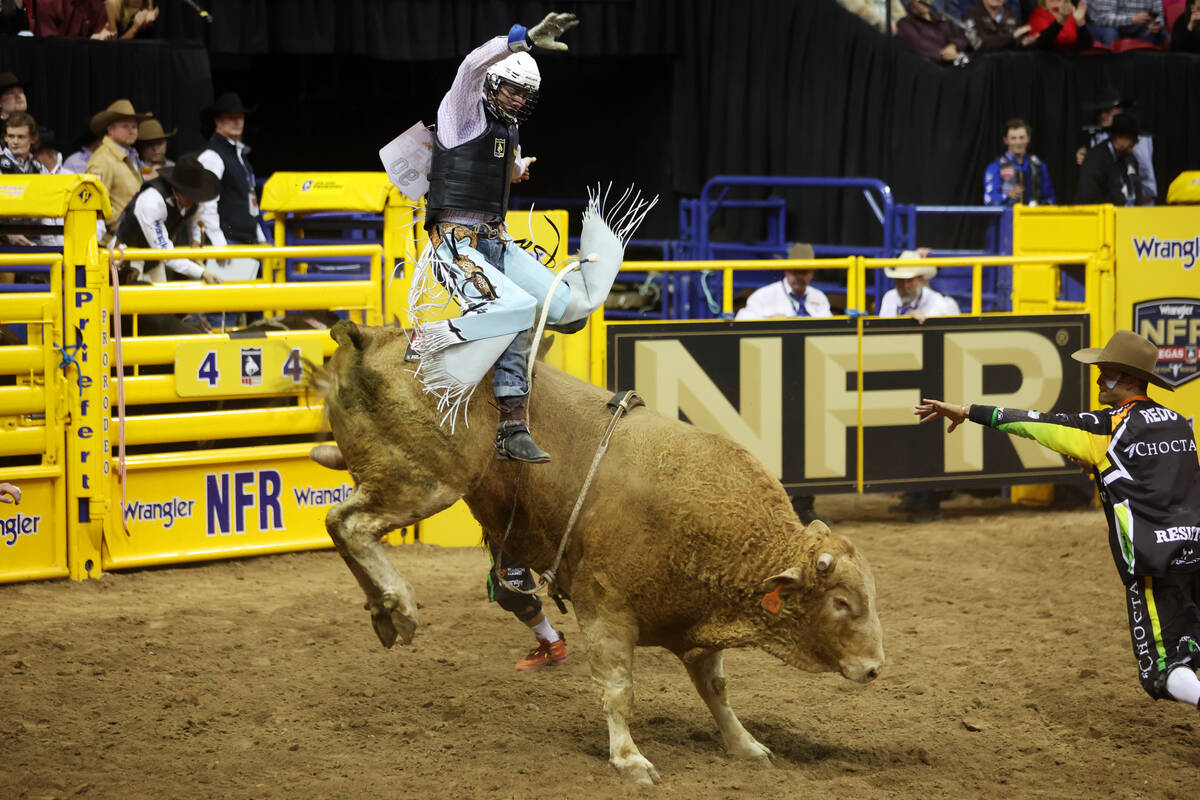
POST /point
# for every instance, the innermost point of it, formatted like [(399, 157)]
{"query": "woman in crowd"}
[(1185, 34), (1059, 25)]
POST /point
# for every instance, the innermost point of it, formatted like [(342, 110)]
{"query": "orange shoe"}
[(545, 654)]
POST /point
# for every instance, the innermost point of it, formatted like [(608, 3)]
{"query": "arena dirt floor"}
[(1009, 675)]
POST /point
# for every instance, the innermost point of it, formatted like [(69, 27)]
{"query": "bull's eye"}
[(842, 605)]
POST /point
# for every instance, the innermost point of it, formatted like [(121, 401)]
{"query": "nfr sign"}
[(233, 499), (789, 392)]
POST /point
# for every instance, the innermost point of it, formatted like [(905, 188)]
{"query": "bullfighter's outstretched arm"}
[(1084, 436)]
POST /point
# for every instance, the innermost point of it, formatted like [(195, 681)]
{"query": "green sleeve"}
[(1084, 436)]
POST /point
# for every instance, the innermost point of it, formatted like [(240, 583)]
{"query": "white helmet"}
[(518, 70)]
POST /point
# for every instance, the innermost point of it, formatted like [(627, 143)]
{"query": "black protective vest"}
[(233, 204), (475, 176), (129, 232)]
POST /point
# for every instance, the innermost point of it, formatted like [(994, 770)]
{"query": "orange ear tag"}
[(772, 601)]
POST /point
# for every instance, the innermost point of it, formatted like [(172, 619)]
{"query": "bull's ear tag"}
[(772, 601)]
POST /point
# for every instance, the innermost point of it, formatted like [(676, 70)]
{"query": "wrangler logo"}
[(11, 528), (1153, 248)]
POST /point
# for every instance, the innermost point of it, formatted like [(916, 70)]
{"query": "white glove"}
[(546, 32)]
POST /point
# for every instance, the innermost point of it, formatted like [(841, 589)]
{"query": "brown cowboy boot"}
[(513, 442)]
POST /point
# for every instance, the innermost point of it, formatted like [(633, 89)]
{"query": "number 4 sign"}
[(228, 367)]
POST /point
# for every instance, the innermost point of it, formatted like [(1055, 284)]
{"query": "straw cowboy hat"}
[(910, 272), (191, 179), (801, 251), (120, 109), (151, 130), (1127, 352)]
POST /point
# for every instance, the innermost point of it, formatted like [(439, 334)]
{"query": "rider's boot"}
[(513, 442)]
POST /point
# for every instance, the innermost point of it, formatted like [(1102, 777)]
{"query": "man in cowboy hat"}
[(1108, 107), (116, 161), (912, 295), (160, 212), (46, 151), (152, 147), (1143, 458), (1109, 173), (232, 217), (12, 97), (793, 296)]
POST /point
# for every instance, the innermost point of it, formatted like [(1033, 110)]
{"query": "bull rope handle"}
[(628, 401)]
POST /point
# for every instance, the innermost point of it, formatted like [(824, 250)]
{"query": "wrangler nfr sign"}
[(790, 392)]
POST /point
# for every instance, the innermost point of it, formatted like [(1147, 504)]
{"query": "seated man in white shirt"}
[(792, 296), (159, 212), (912, 295)]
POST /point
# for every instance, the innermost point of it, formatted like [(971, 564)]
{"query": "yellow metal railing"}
[(726, 270), (857, 270), (180, 297), (32, 424), (35, 366)]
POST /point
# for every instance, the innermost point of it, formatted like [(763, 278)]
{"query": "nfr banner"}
[(789, 392)]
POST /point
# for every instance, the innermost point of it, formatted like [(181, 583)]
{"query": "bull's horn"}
[(788, 578), (825, 562)]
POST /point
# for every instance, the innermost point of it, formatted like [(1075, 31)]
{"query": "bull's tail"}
[(325, 379), (347, 334)]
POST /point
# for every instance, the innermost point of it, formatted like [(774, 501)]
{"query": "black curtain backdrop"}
[(69, 80), (672, 92)]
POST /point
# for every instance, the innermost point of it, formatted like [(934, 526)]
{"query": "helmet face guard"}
[(510, 88)]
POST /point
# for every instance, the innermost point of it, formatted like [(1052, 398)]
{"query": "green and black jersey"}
[(1146, 468)]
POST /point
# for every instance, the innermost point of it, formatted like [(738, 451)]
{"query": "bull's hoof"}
[(390, 623), (753, 750), (636, 768)]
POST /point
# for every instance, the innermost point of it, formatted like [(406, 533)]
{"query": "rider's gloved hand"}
[(545, 34)]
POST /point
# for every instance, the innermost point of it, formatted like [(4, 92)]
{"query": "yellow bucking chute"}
[(52, 195), (323, 191)]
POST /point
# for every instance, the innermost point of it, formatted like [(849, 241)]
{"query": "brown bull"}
[(685, 541)]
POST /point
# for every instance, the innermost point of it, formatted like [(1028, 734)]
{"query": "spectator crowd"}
[(94, 19), (208, 198), (954, 31)]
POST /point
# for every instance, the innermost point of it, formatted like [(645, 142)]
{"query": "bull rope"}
[(628, 400)]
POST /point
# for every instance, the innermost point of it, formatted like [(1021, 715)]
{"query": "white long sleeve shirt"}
[(209, 214), (461, 114), (777, 300), (150, 211), (932, 303)]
